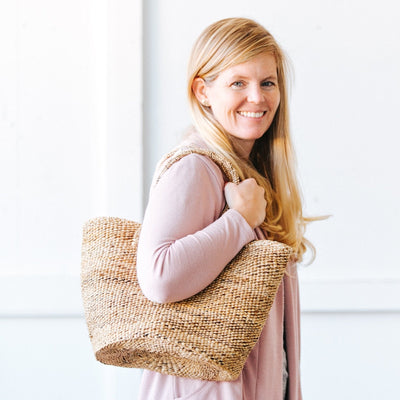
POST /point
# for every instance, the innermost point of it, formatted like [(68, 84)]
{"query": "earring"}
[(205, 103)]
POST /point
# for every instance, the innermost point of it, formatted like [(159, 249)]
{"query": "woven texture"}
[(207, 336)]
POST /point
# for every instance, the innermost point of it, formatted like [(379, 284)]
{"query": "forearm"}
[(175, 270)]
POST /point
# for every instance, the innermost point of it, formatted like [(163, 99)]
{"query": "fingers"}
[(248, 199)]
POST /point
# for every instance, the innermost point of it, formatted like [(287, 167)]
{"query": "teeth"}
[(251, 114)]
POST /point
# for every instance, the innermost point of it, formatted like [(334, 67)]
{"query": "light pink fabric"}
[(184, 244)]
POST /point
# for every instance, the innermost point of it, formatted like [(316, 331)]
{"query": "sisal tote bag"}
[(207, 336)]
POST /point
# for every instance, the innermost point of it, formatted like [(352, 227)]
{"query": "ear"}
[(200, 91)]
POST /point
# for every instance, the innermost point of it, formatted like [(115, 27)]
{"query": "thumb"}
[(229, 191), (229, 187)]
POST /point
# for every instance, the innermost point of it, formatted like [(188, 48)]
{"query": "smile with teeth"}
[(249, 114)]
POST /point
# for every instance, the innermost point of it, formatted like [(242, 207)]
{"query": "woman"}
[(238, 98)]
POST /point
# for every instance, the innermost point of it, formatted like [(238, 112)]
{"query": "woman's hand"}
[(248, 199)]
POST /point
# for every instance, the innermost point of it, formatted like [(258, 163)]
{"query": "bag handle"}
[(171, 158)]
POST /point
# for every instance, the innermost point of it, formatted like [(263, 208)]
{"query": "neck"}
[(242, 147)]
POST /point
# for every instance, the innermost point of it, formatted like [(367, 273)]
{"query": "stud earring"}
[(205, 103)]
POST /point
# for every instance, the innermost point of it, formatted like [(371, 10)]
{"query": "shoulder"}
[(194, 169), (191, 187)]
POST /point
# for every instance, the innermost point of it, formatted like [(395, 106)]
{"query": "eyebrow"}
[(238, 77)]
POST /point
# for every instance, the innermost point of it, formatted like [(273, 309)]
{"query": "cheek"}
[(224, 110), (278, 101), (274, 102)]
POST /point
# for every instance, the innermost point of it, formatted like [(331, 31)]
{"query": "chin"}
[(254, 136)]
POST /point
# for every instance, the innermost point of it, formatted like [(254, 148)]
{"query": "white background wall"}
[(93, 92)]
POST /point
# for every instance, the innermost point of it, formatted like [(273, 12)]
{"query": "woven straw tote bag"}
[(207, 336)]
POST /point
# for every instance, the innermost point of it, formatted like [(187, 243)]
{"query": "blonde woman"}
[(238, 98)]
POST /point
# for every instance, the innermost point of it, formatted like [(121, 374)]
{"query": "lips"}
[(249, 114)]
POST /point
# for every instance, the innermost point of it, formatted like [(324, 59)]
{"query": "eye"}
[(268, 84), (237, 84)]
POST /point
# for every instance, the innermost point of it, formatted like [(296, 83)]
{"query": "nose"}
[(255, 94)]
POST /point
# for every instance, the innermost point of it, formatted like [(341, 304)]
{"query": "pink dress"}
[(184, 244)]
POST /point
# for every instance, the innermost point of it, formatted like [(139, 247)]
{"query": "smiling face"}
[(243, 99)]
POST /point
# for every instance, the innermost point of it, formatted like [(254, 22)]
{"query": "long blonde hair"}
[(224, 44)]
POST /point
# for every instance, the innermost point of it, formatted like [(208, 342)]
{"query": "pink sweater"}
[(184, 244)]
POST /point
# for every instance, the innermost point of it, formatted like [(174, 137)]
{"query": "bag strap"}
[(171, 158)]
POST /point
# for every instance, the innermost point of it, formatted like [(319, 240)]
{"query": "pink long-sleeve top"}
[(184, 244)]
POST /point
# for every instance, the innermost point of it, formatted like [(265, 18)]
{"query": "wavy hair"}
[(224, 44)]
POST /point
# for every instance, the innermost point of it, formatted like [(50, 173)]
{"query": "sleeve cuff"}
[(245, 229)]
